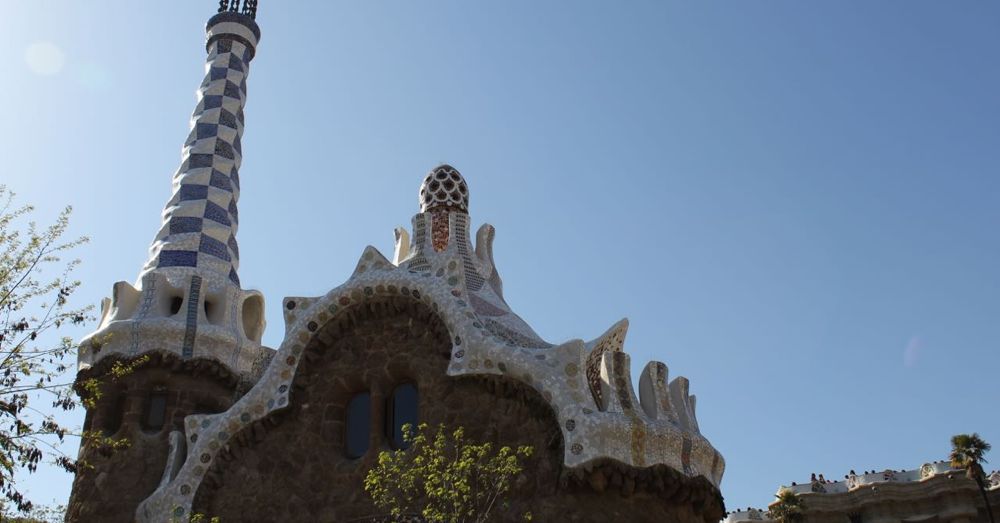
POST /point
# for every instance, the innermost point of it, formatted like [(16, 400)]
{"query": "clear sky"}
[(794, 203)]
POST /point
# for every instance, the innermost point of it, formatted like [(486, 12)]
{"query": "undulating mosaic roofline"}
[(188, 300), (588, 385)]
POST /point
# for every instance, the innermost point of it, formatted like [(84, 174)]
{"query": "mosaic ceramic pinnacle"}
[(444, 188)]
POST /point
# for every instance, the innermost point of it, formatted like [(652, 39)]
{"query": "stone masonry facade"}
[(292, 467)]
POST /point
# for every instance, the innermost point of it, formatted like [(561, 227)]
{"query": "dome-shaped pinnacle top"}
[(444, 189)]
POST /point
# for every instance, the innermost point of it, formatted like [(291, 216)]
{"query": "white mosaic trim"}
[(140, 321)]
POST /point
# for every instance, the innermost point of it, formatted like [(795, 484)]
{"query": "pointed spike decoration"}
[(371, 259), (653, 392), (679, 398), (125, 299), (105, 310), (402, 250), (622, 381), (611, 341), (484, 252), (606, 399)]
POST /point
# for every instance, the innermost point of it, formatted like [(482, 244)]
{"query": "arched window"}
[(401, 410), (358, 425), (156, 411), (112, 418)]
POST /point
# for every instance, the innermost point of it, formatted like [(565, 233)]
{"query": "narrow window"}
[(113, 415), (401, 410), (358, 426), (156, 411)]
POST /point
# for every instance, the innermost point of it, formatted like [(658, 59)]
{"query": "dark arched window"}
[(401, 410), (156, 411), (358, 425), (112, 419)]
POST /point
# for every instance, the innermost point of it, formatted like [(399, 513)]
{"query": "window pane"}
[(404, 410), (359, 421), (156, 415)]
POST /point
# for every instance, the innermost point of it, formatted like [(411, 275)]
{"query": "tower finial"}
[(444, 188), (248, 7)]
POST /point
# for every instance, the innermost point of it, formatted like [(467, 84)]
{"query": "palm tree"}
[(787, 508), (967, 453)]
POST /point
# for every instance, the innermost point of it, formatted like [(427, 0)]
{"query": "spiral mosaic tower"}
[(188, 300), (188, 332)]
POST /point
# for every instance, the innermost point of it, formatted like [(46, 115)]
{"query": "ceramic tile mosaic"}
[(194, 259), (657, 427), (444, 188), (188, 302)]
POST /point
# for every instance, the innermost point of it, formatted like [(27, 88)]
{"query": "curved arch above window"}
[(401, 410), (358, 425)]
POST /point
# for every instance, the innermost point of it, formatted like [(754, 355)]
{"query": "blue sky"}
[(794, 203)]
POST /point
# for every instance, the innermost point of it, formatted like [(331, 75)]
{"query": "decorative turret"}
[(444, 213), (194, 330), (188, 299)]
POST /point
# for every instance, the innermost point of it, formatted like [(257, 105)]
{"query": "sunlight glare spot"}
[(44, 58)]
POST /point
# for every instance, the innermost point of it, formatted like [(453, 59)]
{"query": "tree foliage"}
[(968, 452), (54, 513), (35, 288), (787, 508), (444, 477)]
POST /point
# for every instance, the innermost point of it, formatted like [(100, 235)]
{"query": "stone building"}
[(223, 426), (933, 493)]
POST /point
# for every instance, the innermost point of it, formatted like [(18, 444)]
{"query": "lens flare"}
[(44, 58)]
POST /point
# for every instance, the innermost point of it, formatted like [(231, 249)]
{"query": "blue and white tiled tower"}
[(188, 300)]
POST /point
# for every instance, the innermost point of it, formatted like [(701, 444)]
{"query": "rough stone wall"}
[(119, 480), (292, 465)]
